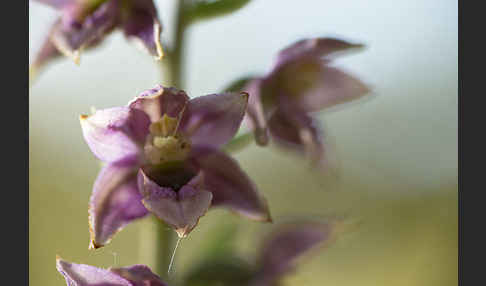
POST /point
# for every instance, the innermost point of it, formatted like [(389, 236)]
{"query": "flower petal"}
[(298, 131), (70, 36), (181, 209), (332, 88), (285, 245), (311, 85), (142, 24), (115, 202), (159, 101), (230, 186), (316, 47), (255, 115), (87, 275), (139, 275), (115, 133), (213, 119)]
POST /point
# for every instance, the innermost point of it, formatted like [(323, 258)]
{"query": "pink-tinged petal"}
[(317, 47), (159, 101), (255, 113), (182, 209), (139, 275), (46, 53), (213, 119), (115, 133), (311, 85), (332, 88), (115, 202), (87, 275), (286, 245), (141, 23), (298, 131), (229, 184), (70, 36)]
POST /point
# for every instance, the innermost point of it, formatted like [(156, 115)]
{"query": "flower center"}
[(163, 144)]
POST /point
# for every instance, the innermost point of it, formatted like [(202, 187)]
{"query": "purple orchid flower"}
[(286, 245), (87, 275), (84, 23), (163, 155), (279, 254), (301, 82)]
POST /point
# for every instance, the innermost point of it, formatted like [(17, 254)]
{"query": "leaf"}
[(205, 10)]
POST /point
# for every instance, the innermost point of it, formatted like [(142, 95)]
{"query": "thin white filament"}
[(173, 255)]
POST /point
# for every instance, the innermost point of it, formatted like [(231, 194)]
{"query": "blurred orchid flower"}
[(163, 155), (279, 254), (84, 23), (301, 82), (87, 275)]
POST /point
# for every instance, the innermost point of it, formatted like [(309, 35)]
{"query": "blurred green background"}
[(395, 154)]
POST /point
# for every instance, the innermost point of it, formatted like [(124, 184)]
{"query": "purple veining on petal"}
[(115, 133), (181, 210), (213, 119), (87, 275), (160, 100), (139, 275), (115, 202), (230, 186)]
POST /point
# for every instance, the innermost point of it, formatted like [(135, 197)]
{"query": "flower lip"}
[(173, 175)]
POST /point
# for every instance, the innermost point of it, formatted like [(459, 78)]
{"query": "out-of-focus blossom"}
[(301, 82), (84, 23), (87, 275), (279, 254), (162, 155)]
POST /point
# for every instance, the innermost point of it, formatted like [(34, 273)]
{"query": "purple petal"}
[(213, 119), (87, 275), (181, 209), (230, 186), (299, 131), (159, 101), (317, 47), (333, 87), (255, 113), (310, 84), (115, 133), (142, 24), (284, 246), (139, 275), (115, 202), (70, 35)]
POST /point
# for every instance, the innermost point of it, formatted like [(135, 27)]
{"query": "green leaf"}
[(203, 10)]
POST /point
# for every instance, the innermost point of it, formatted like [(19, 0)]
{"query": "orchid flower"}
[(87, 275), (278, 255), (301, 82), (162, 155), (84, 23)]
